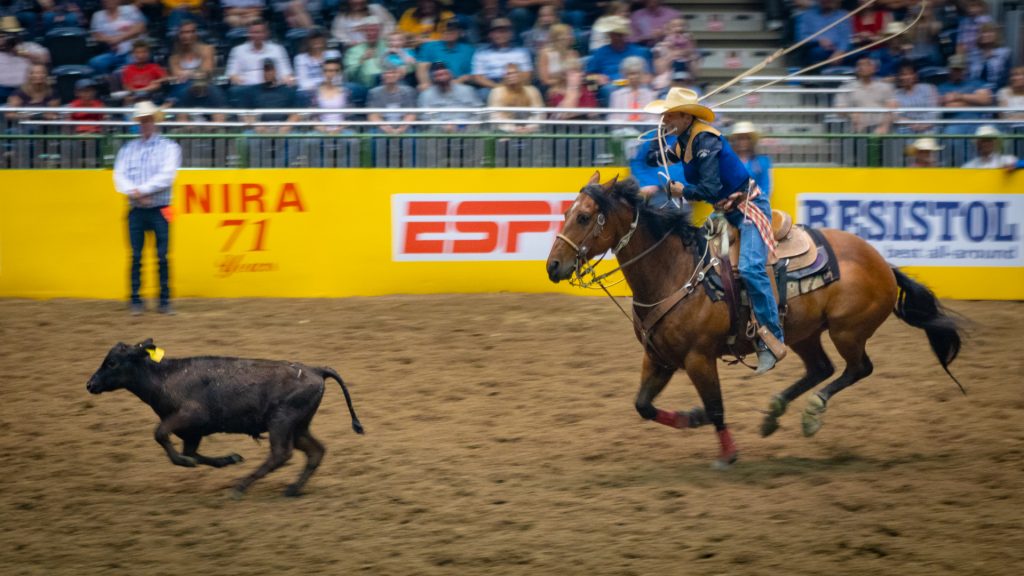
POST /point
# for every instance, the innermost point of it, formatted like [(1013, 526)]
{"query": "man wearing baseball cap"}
[(444, 92), (457, 56), (85, 97), (144, 172), (962, 93)]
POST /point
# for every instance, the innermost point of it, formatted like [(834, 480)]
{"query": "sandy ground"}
[(501, 439)]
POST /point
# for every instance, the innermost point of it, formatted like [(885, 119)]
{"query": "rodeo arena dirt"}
[(382, 251)]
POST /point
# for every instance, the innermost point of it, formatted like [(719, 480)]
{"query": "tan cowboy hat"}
[(10, 24), (681, 100), (614, 24), (145, 109), (745, 127), (924, 144)]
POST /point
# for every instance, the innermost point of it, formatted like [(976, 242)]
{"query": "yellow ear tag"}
[(157, 354)]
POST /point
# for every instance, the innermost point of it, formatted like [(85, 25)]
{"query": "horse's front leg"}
[(703, 371), (652, 381)]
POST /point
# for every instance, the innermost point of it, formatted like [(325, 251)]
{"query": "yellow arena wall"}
[(366, 232)]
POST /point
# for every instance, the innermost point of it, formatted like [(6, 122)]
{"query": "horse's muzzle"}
[(553, 272)]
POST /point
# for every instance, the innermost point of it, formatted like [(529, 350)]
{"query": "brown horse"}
[(659, 254)]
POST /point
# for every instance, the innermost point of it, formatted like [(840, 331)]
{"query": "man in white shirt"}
[(489, 63), (245, 63), (988, 154), (867, 91), (144, 171)]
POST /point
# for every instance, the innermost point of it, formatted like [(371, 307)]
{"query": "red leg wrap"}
[(672, 419), (728, 453)]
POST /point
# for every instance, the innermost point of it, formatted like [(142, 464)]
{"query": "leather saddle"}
[(794, 243)]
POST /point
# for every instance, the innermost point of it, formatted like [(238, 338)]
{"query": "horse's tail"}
[(326, 372), (917, 305)]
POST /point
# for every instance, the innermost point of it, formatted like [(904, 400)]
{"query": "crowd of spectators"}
[(450, 53)]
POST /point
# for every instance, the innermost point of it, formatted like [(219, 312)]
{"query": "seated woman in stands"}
[(555, 53), (514, 92), (571, 91), (189, 58), (36, 92)]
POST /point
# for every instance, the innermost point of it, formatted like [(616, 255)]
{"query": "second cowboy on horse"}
[(717, 176)]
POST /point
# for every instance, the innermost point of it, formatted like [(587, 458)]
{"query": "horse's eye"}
[(583, 219)]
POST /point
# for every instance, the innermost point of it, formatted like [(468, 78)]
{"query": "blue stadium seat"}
[(66, 76), (67, 46)]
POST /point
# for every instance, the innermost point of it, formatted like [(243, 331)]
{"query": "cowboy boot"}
[(765, 361)]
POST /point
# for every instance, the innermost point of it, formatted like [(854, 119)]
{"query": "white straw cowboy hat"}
[(11, 25), (745, 127), (681, 100), (616, 25), (146, 108), (924, 144), (987, 131)]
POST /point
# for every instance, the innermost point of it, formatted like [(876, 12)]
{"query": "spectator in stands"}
[(296, 12), (633, 96), (869, 24), (189, 57), (363, 61), (201, 93), (677, 45), (456, 55), (85, 97), (309, 64), (392, 94), (605, 63), (347, 27), (680, 78), (599, 31), (990, 63), (36, 92), (537, 36), (830, 43), (424, 22), (272, 93), (891, 54), (59, 13), (142, 76), (515, 92), (570, 90), (970, 26), (925, 153), (444, 92), (489, 11), (553, 55), (115, 27), (247, 62), (650, 23), (490, 64), (912, 94), (1012, 96), (181, 11), (989, 155), (743, 138), (331, 94), (240, 13), (961, 92), (14, 66), (867, 91), (399, 55), (22, 47)]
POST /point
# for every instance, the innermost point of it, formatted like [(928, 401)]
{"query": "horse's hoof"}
[(237, 493), (698, 417), (186, 461), (724, 463), (812, 415), (769, 426), (777, 406), (235, 459), (292, 491)]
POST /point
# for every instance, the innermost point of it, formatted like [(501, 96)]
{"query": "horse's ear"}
[(595, 179), (610, 185)]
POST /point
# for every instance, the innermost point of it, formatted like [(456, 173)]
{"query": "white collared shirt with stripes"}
[(148, 166)]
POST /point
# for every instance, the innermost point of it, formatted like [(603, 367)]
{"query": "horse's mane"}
[(660, 221)]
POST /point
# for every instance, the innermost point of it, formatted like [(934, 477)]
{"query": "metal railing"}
[(792, 135)]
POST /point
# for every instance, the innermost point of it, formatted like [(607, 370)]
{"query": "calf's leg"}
[(192, 445), (314, 455), (162, 434), (280, 452)]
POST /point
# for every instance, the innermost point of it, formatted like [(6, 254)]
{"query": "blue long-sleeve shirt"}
[(812, 20)]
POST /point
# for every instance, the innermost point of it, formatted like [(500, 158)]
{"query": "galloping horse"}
[(659, 254)]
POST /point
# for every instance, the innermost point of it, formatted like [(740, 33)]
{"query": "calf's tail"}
[(917, 305), (326, 372)]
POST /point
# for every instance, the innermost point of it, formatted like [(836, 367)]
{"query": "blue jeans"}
[(107, 62), (141, 220), (753, 268)]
